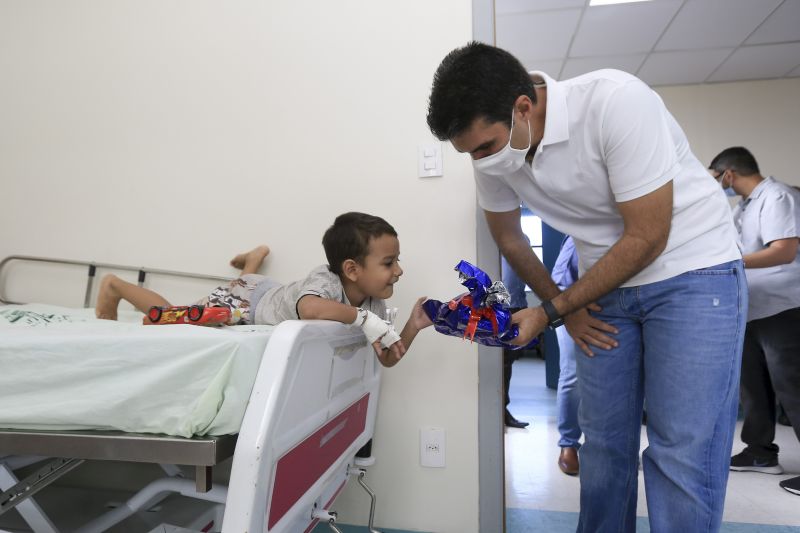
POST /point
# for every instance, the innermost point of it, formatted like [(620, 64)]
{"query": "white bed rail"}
[(308, 415)]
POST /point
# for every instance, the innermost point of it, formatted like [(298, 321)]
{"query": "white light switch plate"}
[(429, 160)]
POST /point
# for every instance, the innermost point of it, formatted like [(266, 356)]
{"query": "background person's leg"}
[(567, 402), (509, 356), (610, 387), (782, 348), (567, 396), (782, 418), (758, 401), (693, 333)]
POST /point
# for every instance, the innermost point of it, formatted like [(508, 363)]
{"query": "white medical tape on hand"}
[(361, 316), (389, 338), (374, 327)]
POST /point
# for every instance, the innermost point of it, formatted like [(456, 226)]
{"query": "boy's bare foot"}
[(107, 299), (252, 258)]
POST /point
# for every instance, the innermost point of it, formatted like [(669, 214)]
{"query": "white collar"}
[(556, 120)]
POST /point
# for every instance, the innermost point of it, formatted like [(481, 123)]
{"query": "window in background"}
[(532, 227)]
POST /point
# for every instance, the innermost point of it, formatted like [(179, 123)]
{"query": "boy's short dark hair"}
[(349, 236), (736, 158), (475, 81)]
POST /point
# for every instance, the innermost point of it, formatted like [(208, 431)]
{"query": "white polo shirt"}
[(608, 138), (770, 213)]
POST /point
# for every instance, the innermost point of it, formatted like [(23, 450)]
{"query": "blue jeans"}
[(680, 347), (568, 397)]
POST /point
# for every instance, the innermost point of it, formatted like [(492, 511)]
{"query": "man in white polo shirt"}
[(600, 158), (768, 221)]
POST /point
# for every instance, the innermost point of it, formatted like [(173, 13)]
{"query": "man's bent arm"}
[(586, 330), (647, 224), (507, 233)]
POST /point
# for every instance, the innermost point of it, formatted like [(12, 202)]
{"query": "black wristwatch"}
[(554, 320)]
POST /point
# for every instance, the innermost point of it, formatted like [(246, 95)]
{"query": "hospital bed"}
[(308, 410)]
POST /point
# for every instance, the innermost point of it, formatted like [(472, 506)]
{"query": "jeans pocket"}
[(716, 270)]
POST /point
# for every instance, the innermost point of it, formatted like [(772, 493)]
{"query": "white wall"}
[(123, 121), (763, 116)]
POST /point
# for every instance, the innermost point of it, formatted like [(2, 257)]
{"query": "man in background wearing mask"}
[(600, 158), (768, 221)]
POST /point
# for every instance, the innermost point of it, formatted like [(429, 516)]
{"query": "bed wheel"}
[(154, 314), (196, 312)]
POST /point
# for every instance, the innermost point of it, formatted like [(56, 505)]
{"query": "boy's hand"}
[(418, 319), (389, 356)]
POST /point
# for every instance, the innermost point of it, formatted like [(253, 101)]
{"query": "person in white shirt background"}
[(565, 272), (660, 305), (768, 221)]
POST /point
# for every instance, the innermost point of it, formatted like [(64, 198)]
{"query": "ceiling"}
[(663, 42)]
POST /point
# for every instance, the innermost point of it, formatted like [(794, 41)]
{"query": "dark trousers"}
[(509, 356), (770, 371)]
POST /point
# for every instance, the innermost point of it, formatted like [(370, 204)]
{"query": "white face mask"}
[(506, 161)]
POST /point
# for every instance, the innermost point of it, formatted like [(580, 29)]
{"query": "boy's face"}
[(381, 268)]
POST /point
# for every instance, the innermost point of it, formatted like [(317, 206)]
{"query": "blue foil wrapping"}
[(488, 300)]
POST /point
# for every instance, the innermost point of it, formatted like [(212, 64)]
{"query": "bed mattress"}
[(63, 369)]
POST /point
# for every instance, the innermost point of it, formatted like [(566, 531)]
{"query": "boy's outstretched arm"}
[(311, 307), (417, 321)]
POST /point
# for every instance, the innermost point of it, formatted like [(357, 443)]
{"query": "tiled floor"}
[(536, 489)]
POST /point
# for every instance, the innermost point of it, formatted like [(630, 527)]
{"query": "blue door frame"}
[(551, 244)]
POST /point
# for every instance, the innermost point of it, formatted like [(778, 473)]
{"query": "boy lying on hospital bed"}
[(362, 252)]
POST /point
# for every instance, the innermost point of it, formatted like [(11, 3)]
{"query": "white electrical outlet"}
[(432, 447)]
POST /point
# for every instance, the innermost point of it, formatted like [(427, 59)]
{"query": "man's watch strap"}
[(554, 320)]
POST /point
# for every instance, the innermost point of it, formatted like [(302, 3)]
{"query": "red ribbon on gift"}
[(475, 314)]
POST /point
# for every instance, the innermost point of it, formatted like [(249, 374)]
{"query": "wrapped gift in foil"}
[(481, 315)]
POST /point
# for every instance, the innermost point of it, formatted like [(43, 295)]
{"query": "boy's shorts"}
[(239, 295)]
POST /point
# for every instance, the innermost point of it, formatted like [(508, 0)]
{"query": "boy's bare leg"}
[(113, 289), (250, 262)]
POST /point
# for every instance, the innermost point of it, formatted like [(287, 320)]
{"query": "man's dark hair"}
[(476, 81), (736, 158), (349, 236)]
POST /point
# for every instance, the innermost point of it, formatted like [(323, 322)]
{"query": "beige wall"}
[(124, 121), (763, 116)]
